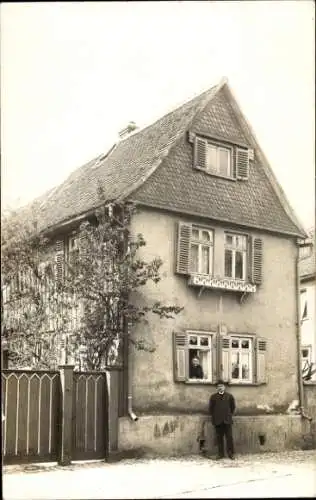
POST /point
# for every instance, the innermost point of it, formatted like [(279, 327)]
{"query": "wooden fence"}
[(58, 415)]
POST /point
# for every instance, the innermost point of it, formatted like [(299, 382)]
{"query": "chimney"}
[(128, 130)]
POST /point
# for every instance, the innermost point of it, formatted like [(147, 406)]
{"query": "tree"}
[(92, 301)]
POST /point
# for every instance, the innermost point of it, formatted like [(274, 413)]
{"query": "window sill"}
[(246, 384), (199, 382), (209, 281), (212, 174)]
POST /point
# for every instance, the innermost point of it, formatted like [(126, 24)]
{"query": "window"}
[(235, 256), (304, 309), (194, 356), (242, 262), (200, 349), (219, 158), (241, 359), (201, 251), (206, 356), (306, 353)]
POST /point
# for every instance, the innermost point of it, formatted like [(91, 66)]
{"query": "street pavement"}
[(269, 475)]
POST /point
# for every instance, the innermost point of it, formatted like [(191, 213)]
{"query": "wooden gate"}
[(30, 403), (90, 416)]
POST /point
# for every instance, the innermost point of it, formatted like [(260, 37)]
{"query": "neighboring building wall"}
[(308, 330), (270, 313)]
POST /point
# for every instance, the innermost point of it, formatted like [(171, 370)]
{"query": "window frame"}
[(209, 349), (251, 339), (245, 254), (201, 243), (219, 147)]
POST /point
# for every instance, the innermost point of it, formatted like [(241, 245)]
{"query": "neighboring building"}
[(308, 297), (212, 209)]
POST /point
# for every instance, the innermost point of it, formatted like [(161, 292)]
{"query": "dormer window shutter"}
[(257, 258), (180, 356), (200, 149), (242, 164), (59, 260), (183, 248)]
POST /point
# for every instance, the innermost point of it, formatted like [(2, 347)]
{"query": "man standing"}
[(221, 408)]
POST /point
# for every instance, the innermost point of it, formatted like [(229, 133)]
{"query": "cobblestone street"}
[(271, 475)]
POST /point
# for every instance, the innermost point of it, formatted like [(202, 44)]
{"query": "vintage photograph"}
[(158, 276)]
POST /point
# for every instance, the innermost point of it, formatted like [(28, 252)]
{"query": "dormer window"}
[(221, 159)]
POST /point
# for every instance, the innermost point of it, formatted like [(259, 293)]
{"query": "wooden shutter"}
[(249, 259), (260, 360), (242, 164), (224, 372), (59, 260), (257, 256), (214, 358), (200, 149), (183, 248), (180, 357)]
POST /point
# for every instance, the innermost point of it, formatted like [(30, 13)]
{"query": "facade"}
[(211, 208)]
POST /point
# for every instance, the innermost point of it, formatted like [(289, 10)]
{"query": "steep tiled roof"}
[(131, 170), (129, 164)]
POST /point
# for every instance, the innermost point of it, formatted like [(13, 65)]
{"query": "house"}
[(212, 209), (307, 306)]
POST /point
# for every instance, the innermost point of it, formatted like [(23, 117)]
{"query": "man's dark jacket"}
[(221, 408)]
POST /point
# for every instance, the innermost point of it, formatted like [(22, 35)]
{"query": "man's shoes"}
[(232, 457)]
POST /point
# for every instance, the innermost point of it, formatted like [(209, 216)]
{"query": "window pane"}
[(228, 239), (224, 162), (228, 263), (235, 365), (245, 344), (204, 341), (204, 361), (194, 258), (245, 362), (211, 158), (305, 353), (193, 340), (206, 236), (238, 265), (195, 234), (205, 260), (235, 344)]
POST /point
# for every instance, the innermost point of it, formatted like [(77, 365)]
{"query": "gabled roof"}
[(135, 166)]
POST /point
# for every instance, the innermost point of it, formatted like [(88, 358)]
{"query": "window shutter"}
[(214, 358), (249, 259), (242, 164), (183, 248), (59, 260), (260, 359), (225, 359), (200, 149), (257, 254), (180, 356)]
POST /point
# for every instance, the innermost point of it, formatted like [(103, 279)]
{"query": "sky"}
[(74, 74)]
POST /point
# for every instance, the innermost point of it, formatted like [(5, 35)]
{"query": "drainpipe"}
[(130, 411), (299, 336)]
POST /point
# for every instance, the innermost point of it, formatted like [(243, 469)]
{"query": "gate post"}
[(66, 379)]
